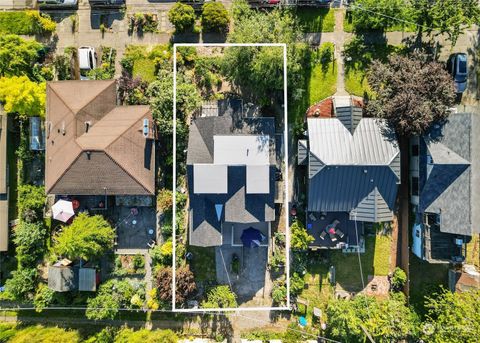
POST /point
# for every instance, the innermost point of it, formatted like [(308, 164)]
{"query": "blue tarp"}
[(252, 238)]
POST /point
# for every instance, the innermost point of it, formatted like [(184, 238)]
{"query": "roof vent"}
[(88, 154), (63, 128), (87, 126), (146, 128), (365, 171)]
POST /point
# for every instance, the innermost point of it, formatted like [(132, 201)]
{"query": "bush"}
[(138, 262), (184, 288), (31, 200), (43, 297), (279, 293), (162, 254), (18, 55), (143, 335), (300, 237), (182, 16), (220, 297), (22, 283), (41, 22), (165, 200), (399, 279), (297, 283), (39, 333), (29, 239), (111, 296), (215, 17)]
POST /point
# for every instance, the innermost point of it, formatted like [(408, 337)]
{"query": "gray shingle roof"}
[(238, 205), (449, 187)]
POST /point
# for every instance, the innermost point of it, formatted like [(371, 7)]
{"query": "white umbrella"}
[(63, 210)]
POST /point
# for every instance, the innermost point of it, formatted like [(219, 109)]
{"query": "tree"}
[(87, 237), (300, 237), (379, 14), (387, 320), (215, 17), (220, 297), (22, 283), (146, 336), (410, 93), (452, 317), (184, 288), (182, 16), (22, 96), (17, 55), (29, 239)]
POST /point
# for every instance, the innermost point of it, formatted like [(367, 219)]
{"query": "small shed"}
[(61, 278), (87, 280)]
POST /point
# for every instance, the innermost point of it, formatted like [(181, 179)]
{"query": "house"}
[(231, 178), (93, 146), (353, 172), (3, 183), (445, 188)]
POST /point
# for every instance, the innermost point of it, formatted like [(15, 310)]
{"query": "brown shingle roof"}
[(111, 155)]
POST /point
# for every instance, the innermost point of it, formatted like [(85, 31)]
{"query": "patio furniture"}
[(323, 235), (339, 233), (63, 210), (150, 231), (309, 226), (151, 244), (312, 217), (335, 223), (333, 238)]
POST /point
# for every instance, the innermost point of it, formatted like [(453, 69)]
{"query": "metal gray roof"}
[(61, 279), (348, 114), (451, 186), (210, 178), (87, 280), (302, 152), (372, 208)]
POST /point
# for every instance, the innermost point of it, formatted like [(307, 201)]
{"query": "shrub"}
[(41, 22), (220, 297), (31, 200), (29, 239), (22, 96), (279, 294), (138, 261), (165, 200), (185, 284), (22, 283), (182, 16), (111, 296), (43, 297), (45, 334), (399, 279), (297, 283), (18, 55), (143, 335), (215, 17), (300, 237), (162, 254)]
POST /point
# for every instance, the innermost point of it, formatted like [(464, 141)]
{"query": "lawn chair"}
[(339, 233), (323, 235), (335, 223), (333, 237), (312, 217)]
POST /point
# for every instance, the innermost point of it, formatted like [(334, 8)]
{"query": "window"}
[(414, 185), (415, 150)]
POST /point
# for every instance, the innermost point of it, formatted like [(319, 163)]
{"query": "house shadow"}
[(214, 37), (186, 37), (216, 325)]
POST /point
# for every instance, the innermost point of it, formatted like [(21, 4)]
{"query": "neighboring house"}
[(231, 178), (3, 183), (445, 188), (93, 146), (353, 170)]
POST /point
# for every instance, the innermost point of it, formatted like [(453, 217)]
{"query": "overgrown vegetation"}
[(26, 23)]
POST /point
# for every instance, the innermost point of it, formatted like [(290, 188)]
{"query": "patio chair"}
[(312, 217), (335, 223), (333, 237), (339, 233), (323, 235)]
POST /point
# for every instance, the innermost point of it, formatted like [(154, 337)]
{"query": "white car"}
[(56, 3), (87, 60)]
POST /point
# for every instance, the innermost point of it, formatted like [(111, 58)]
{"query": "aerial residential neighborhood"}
[(239, 171)]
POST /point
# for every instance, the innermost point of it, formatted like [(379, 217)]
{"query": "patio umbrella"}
[(252, 237), (63, 210)]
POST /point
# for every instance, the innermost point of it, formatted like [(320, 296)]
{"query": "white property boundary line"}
[(285, 145)]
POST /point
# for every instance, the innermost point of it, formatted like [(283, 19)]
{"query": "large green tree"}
[(17, 55), (411, 93), (220, 297), (22, 96), (87, 237), (215, 17), (389, 320), (379, 14), (452, 317), (182, 16), (29, 239)]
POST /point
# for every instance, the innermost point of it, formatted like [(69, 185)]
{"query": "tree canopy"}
[(410, 93), (184, 288), (452, 317), (17, 55), (182, 16), (111, 296), (300, 237), (22, 96), (29, 239), (215, 17), (87, 237), (220, 297), (38, 333)]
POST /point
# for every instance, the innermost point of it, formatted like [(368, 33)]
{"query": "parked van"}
[(87, 60)]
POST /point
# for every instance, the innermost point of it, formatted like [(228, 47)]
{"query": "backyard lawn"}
[(144, 68), (203, 263), (323, 76), (316, 19)]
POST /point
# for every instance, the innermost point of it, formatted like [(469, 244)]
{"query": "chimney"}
[(88, 155), (87, 126)]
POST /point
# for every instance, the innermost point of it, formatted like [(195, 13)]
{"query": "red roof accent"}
[(322, 109)]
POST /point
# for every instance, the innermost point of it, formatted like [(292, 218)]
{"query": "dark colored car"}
[(458, 67), (107, 3)]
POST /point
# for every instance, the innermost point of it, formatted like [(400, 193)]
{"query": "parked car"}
[(106, 3), (87, 60), (56, 3), (458, 68)]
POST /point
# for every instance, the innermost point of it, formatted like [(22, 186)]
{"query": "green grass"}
[(425, 279), (316, 19), (144, 68), (17, 22), (348, 26), (356, 83), (323, 76), (203, 263)]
